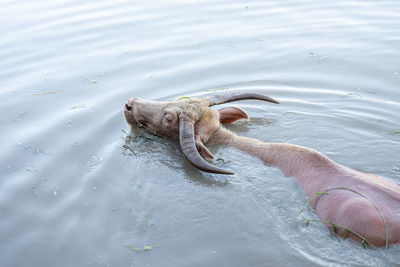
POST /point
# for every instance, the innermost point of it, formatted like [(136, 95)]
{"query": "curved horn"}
[(235, 96), (186, 139)]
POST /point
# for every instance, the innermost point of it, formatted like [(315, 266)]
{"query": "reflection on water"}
[(72, 193)]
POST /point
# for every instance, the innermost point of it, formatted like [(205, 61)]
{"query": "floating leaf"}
[(147, 247)]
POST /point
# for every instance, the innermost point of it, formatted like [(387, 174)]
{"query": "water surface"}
[(72, 195)]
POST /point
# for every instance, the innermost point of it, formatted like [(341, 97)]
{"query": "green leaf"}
[(147, 247), (364, 243), (334, 227), (124, 131)]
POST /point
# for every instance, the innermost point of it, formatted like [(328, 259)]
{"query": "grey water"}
[(73, 194)]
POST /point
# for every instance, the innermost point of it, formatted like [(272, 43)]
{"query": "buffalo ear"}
[(231, 114)]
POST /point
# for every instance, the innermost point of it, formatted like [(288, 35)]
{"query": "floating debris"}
[(352, 94), (90, 81), (33, 168), (183, 97), (172, 224), (33, 189), (79, 106), (130, 149), (95, 161), (147, 247), (217, 89), (46, 92), (124, 131), (221, 161), (133, 248), (149, 222), (320, 57)]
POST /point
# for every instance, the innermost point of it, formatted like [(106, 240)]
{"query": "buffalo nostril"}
[(128, 107)]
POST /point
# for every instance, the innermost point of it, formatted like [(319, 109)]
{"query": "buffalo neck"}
[(296, 161)]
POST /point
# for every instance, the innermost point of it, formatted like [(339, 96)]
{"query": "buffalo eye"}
[(168, 118)]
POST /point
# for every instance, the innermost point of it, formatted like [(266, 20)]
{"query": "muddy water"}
[(72, 194)]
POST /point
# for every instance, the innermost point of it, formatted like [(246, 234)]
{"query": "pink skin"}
[(366, 204)]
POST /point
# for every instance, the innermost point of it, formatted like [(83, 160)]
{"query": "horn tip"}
[(227, 172), (274, 101)]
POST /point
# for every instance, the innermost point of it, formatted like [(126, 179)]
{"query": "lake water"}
[(72, 194)]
